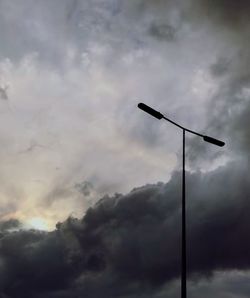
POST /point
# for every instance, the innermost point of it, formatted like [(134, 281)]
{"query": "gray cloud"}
[(3, 92), (94, 52), (233, 15), (9, 225), (228, 108), (85, 188), (162, 31), (131, 244)]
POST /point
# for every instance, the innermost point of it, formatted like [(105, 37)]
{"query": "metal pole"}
[(183, 241), (208, 139)]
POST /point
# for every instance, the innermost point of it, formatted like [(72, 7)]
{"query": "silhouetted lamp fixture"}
[(208, 139)]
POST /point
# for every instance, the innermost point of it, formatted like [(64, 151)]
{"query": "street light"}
[(208, 139)]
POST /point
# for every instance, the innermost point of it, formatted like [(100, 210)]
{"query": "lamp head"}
[(213, 141), (150, 111)]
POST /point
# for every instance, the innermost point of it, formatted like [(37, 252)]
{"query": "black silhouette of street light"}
[(208, 139)]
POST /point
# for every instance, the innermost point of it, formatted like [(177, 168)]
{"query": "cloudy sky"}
[(90, 185)]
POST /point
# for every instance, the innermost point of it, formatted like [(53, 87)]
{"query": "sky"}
[(89, 184)]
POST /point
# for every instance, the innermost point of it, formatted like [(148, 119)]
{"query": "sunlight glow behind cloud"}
[(38, 223)]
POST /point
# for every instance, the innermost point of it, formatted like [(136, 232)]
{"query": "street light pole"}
[(183, 225), (208, 139)]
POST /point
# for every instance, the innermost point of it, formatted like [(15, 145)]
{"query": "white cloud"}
[(76, 73)]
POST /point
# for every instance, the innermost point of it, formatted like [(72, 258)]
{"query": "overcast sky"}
[(71, 75)]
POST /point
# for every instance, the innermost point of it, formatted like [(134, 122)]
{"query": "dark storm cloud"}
[(227, 12), (131, 244), (9, 225), (32, 261), (228, 109)]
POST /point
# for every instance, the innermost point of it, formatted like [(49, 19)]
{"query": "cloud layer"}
[(69, 89), (129, 245)]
